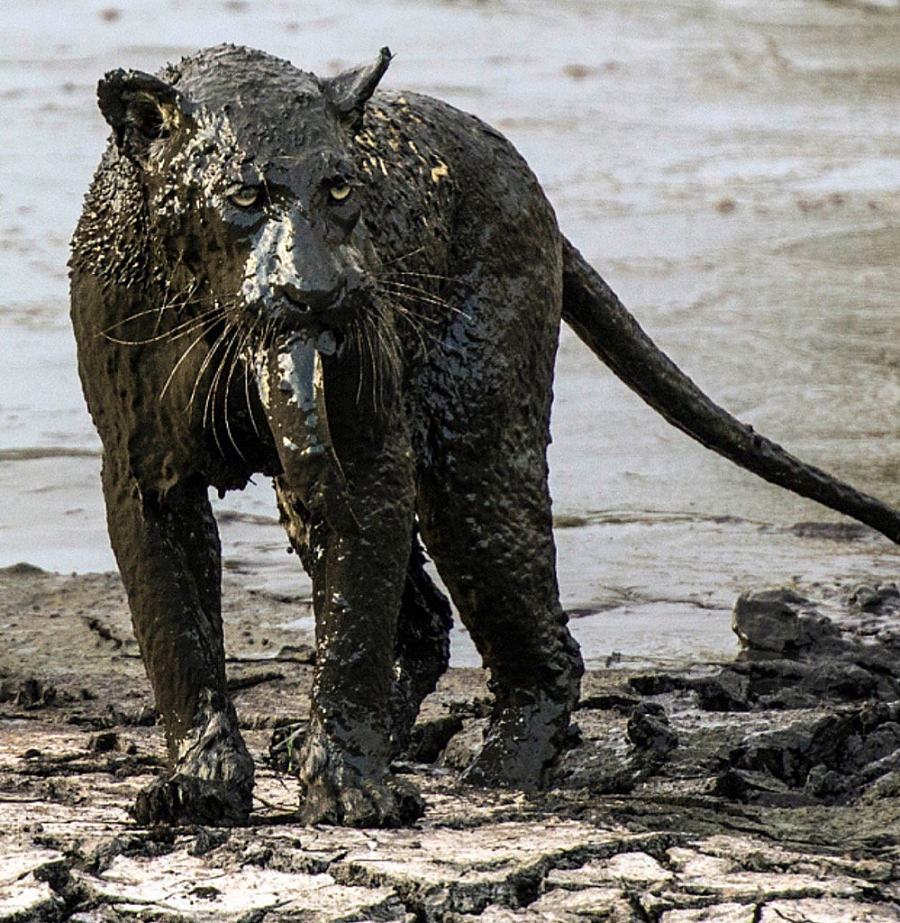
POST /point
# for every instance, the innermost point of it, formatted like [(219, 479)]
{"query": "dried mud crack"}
[(758, 791)]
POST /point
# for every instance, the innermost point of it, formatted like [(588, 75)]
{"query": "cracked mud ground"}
[(764, 790)]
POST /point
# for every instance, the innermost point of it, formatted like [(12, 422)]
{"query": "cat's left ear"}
[(350, 91)]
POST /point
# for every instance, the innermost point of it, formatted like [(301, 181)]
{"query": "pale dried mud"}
[(756, 791)]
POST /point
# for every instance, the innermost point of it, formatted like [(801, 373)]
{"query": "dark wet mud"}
[(767, 788)]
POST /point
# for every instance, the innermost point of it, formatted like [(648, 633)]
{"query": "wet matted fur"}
[(357, 293)]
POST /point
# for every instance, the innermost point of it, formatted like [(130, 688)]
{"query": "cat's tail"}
[(594, 312)]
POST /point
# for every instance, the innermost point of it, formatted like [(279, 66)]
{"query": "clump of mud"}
[(807, 715)]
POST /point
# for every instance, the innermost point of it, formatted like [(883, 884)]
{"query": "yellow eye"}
[(245, 197), (340, 191)]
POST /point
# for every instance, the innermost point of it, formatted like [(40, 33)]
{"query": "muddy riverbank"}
[(761, 789), (729, 166)]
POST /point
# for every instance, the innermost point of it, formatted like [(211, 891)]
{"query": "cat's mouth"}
[(291, 314)]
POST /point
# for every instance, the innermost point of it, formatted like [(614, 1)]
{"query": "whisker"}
[(203, 332), (405, 256), (357, 348), (218, 304), (415, 324), (405, 286), (205, 364), (131, 317), (374, 364), (163, 306), (234, 359), (167, 304), (407, 310), (248, 342), (367, 342), (180, 330), (422, 275), (209, 407), (210, 393), (412, 292)]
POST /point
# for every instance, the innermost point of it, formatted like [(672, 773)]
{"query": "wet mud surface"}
[(729, 167), (760, 789)]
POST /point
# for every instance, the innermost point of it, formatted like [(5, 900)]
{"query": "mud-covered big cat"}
[(357, 293)]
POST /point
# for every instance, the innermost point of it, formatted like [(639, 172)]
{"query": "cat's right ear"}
[(141, 109)]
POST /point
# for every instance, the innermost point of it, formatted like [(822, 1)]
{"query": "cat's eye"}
[(340, 191), (245, 197)]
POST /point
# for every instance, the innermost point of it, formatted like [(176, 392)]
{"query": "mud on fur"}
[(357, 293)]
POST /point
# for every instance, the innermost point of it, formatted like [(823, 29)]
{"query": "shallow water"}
[(730, 167)]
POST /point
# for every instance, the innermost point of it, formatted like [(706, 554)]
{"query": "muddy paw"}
[(212, 781), (363, 803), (521, 744), (182, 799)]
